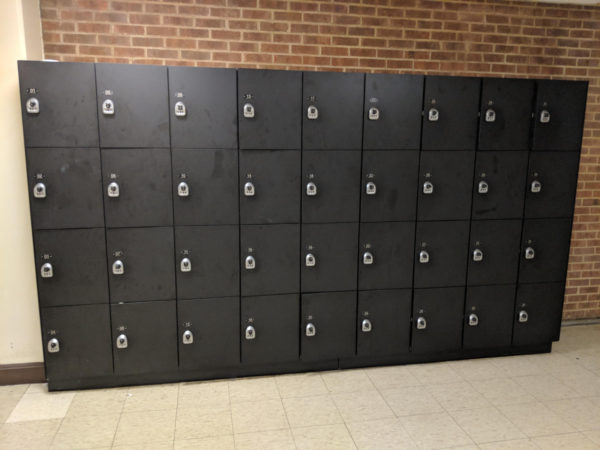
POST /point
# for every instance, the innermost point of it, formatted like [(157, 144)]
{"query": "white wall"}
[(20, 340)]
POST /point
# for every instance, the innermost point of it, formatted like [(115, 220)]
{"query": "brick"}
[(130, 52), (79, 38)]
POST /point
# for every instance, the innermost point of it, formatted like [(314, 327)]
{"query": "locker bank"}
[(193, 223)]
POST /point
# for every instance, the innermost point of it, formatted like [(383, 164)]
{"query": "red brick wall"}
[(470, 37)]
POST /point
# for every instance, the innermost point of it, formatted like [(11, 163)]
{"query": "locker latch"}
[(118, 268), (248, 111), (249, 189), (108, 107), (529, 253), (434, 115), (536, 186), (53, 346), (311, 189), (180, 109), (371, 188), (523, 316), (250, 263), (32, 105), (183, 190), (185, 265), (310, 260), (483, 187), (46, 270), (366, 326), (312, 112), (428, 187), (423, 256), (188, 337), (421, 323), (311, 330), (490, 115), (373, 113), (473, 320), (545, 116), (250, 332), (39, 190), (368, 258), (122, 341), (477, 255), (113, 189)]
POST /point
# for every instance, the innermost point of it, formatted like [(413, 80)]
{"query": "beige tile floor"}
[(522, 402)]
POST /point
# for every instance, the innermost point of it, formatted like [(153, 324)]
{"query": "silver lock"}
[(523, 316), (536, 186), (185, 265), (366, 326), (310, 260), (32, 105), (428, 187), (545, 116), (39, 190), (250, 263), (473, 320), (371, 188), (118, 268), (53, 346), (188, 337), (180, 109), (249, 189), (421, 323), (248, 111), (250, 332), (529, 253), (483, 187), (373, 113), (311, 330), (423, 256), (368, 258), (46, 271), (183, 190), (490, 115), (311, 189), (477, 255), (312, 112), (122, 341), (108, 107), (113, 189), (434, 115)]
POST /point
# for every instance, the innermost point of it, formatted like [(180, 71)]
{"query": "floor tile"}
[(518, 444), (204, 394), (41, 406), (301, 385), (253, 389), (433, 431), (486, 425), (311, 411), (265, 440), (165, 445), (196, 423), (502, 391), (516, 366), (97, 401), (391, 377), (434, 373), (381, 435), (347, 381), (145, 427), (12, 391), (535, 419), (545, 387), (457, 396), (323, 437), (249, 417), (361, 406), (475, 369), (593, 435), (151, 398), (86, 431), (37, 434), (412, 400), (37, 388), (580, 413), (565, 441), (211, 443)]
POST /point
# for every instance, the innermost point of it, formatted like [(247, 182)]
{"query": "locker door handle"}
[(113, 190), (310, 260), (311, 189), (185, 265), (250, 333), (188, 337), (373, 113), (421, 323), (39, 190), (529, 253), (122, 341), (370, 188), (544, 116), (32, 105), (536, 186), (311, 330), (366, 326), (312, 112), (483, 187), (523, 316), (428, 188), (53, 346), (183, 190), (423, 256), (250, 262), (248, 111), (118, 268), (180, 109), (368, 258), (477, 255), (490, 116), (108, 107), (473, 320), (47, 271), (434, 115), (249, 189)]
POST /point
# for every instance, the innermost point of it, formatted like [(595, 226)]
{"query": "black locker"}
[(205, 186), (328, 326), (270, 259), (269, 107), (137, 187), (450, 117), (330, 186), (505, 114), (489, 316), (389, 185), (328, 257), (207, 261), (538, 313), (499, 186), (494, 252), (203, 106), (551, 184), (559, 115), (544, 250), (144, 337), (392, 111), (71, 267), (58, 104), (133, 105), (65, 188), (332, 106), (441, 254), (269, 186), (269, 329), (437, 320), (76, 341), (386, 255), (141, 264), (445, 185), (209, 332), (383, 325)]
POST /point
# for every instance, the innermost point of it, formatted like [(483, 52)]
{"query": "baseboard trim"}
[(22, 373), (577, 322)]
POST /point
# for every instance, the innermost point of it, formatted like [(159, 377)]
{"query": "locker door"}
[(383, 326), (559, 115), (538, 313), (389, 186), (328, 257), (489, 316), (141, 264), (386, 255), (544, 250), (330, 186), (205, 187), (332, 108), (71, 267), (499, 189), (392, 111), (494, 252), (76, 342), (450, 118), (137, 187), (209, 332), (269, 329), (144, 337), (58, 104), (269, 107), (203, 107), (445, 185), (269, 186), (328, 327), (505, 114), (65, 188), (441, 254), (551, 184), (270, 259), (437, 320), (133, 105)]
